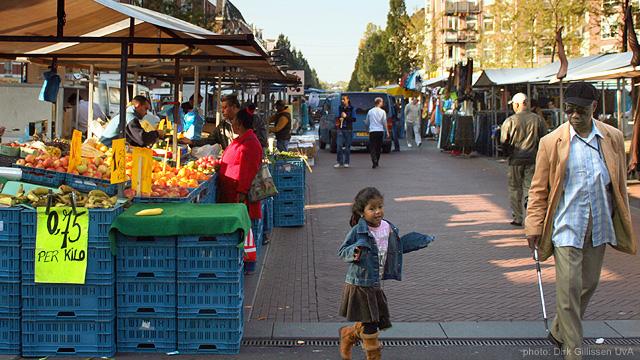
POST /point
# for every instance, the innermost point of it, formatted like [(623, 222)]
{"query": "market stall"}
[(67, 205)]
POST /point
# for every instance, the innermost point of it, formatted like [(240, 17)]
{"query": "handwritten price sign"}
[(61, 245), (118, 162)]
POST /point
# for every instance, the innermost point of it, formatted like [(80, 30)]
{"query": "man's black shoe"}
[(515, 223), (555, 341)]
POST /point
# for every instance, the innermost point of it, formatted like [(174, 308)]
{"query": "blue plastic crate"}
[(286, 219), (196, 296), (10, 224), (192, 197), (100, 221), (151, 255), (229, 239), (200, 259), (287, 207), (87, 338), (100, 264), (148, 297), (10, 333), (52, 301), (143, 333), (41, 176), (9, 261), (284, 181), (86, 184), (207, 336), (10, 297), (288, 167), (290, 194), (208, 195)]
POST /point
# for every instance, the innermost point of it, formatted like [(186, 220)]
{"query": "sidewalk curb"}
[(608, 329)]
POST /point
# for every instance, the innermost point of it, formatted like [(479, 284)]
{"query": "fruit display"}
[(45, 161), (95, 168), (39, 197), (158, 191), (206, 165), (168, 176)]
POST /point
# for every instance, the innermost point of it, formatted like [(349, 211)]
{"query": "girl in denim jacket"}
[(373, 249)]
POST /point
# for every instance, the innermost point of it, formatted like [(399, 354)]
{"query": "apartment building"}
[(487, 31)]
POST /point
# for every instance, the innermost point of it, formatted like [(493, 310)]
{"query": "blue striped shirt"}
[(585, 188)]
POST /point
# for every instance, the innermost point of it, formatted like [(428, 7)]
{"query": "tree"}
[(371, 68), (190, 11), (415, 35), (295, 60), (398, 48)]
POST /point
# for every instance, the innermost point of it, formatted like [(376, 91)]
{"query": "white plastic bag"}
[(207, 150)]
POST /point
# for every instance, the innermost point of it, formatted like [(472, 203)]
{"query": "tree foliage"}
[(526, 30), (190, 11), (296, 61), (385, 55)]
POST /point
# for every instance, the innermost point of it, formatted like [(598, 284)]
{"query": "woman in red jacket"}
[(239, 165)]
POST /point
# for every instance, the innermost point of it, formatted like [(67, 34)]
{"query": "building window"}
[(609, 27), (452, 23), (450, 52), (505, 25), (487, 24), (489, 53)]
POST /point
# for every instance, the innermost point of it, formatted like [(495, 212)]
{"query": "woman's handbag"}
[(262, 186)]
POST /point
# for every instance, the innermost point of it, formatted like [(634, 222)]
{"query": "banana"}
[(66, 189), (149, 212), (98, 193), (113, 200), (20, 192), (32, 196), (7, 201), (40, 191)]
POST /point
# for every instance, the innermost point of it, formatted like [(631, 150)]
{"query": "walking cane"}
[(544, 308)]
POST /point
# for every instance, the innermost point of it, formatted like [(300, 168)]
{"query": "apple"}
[(30, 159), (98, 161), (64, 161), (21, 162), (81, 168)]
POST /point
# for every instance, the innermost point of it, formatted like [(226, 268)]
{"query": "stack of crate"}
[(146, 293), (210, 294), (10, 280), (288, 205), (61, 319)]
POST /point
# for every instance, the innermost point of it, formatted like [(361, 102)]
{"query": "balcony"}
[(453, 37), (461, 8)]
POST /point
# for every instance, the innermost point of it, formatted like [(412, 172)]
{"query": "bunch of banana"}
[(7, 200), (53, 151), (99, 199)]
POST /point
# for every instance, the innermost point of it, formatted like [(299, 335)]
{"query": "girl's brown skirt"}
[(365, 304)]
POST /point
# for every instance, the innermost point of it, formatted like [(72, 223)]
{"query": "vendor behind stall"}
[(192, 122), (135, 133), (223, 134)]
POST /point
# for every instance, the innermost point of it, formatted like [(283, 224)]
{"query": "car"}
[(362, 102)]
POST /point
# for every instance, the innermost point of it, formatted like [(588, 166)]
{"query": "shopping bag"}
[(250, 254), (262, 186)]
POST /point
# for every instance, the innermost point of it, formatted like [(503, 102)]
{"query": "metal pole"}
[(619, 103), (604, 105), (61, 18), (135, 85), (196, 89), (176, 114), (494, 151), (623, 119), (90, 108), (529, 96), (561, 103), (124, 50), (218, 101)]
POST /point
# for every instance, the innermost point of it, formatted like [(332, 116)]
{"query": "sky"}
[(326, 31)]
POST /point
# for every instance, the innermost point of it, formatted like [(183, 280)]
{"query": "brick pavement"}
[(478, 269)]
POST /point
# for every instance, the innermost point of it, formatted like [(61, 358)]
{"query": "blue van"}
[(362, 102)]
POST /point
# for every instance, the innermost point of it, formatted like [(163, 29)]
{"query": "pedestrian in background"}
[(344, 128), (412, 122), (577, 204), (396, 127), (304, 110), (520, 134), (376, 120), (281, 122), (373, 248)]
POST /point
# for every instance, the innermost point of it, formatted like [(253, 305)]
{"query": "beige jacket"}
[(548, 183)]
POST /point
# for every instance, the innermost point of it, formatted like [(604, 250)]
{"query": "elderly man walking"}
[(412, 122), (520, 134), (577, 204)]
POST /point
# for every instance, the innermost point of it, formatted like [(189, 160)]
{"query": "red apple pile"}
[(206, 165), (95, 168)]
